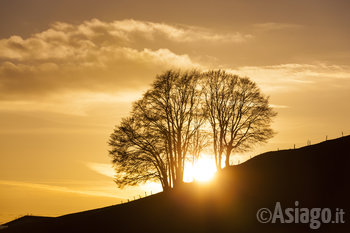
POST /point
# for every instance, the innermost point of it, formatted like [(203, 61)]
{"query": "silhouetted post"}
[(326, 137), (308, 142), (342, 133), (294, 146)]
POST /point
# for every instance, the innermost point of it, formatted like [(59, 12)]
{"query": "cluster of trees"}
[(183, 113)]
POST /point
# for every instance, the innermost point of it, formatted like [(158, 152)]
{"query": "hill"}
[(316, 176), (25, 219)]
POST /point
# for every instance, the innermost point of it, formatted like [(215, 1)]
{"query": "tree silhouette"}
[(174, 120), (238, 113), (138, 153), (154, 143)]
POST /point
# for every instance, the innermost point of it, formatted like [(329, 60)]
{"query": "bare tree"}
[(138, 154), (154, 143), (238, 113), (173, 108), (166, 126)]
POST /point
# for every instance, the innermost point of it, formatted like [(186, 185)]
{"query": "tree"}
[(138, 154), (166, 126), (154, 142), (238, 113)]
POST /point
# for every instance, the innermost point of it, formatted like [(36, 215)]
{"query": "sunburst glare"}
[(202, 171)]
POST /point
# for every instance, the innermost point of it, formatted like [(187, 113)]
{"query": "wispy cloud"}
[(107, 169), (289, 77), (102, 188), (278, 106), (272, 26), (57, 188), (102, 168), (179, 33)]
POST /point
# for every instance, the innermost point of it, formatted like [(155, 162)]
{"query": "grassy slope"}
[(316, 176)]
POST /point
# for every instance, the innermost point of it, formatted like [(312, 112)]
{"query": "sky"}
[(69, 71)]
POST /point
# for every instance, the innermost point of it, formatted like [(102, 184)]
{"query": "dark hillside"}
[(315, 176)]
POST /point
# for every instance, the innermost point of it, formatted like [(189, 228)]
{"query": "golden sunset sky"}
[(69, 71)]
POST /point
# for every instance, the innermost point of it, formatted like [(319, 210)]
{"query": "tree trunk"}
[(228, 154), (227, 161)]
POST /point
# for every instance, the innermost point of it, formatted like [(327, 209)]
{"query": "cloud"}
[(278, 106), (57, 188), (63, 67), (271, 26), (110, 69), (291, 77), (105, 169), (68, 41), (88, 188), (68, 66), (96, 56), (178, 33)]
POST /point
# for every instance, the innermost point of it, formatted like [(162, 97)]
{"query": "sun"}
[(202, 171)]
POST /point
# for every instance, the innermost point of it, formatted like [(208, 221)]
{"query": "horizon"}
[(70, 71)]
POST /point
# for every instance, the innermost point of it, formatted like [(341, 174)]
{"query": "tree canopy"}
[(183, 113), (238, 113)]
